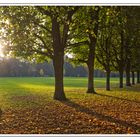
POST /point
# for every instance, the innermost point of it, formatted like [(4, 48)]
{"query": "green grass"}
[(25, 100), (49, 81), (44, 86)]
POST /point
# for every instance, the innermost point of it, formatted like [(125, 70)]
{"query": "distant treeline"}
[(14, 68)]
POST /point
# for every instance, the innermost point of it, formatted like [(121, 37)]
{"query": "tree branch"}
[(79, 60), (43, 11), (48, 50), (101, 61), (44, 46), (71, 12), (77, 44), (41, 52), (66, 25), (42, 26), (40, 38)]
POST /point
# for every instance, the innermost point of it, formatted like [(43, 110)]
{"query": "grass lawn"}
[(28, 107)]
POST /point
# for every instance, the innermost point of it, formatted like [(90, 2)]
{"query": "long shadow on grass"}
[(99, 115), (133, 88), (118, 98)]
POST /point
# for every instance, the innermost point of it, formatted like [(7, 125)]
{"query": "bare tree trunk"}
[(90, 78), (121, 64), (108, 80), (128, 74), (58, 61), (58, 69), (90, 64), (91, 56), (121, 78), (133, 77)]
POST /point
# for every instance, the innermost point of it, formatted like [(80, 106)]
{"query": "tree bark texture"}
[(128, 73), (107, 80), (58, 61), (138, 76)]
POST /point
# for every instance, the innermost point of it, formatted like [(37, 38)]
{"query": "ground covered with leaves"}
[(29, 109)]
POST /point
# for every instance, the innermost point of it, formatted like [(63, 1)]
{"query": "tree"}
[(85, 41), (46, 30), (132, 32), (104, 43), (118, 42)]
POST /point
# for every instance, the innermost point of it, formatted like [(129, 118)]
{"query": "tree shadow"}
[(117, 98), (103, 117), (133, 88)]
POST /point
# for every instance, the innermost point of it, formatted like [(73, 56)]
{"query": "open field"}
[(28, 107)]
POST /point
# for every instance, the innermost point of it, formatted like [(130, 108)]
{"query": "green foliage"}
[(27, 31), (104, 41), (121, 28), (24, 35), (85, 24)]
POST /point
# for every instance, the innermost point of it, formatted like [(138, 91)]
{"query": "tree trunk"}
[(58, 70), (121, 62), (128, 74), (91, 56), (90, 65), (58, 60), (138, 76), (90, 78), (121, 78), (108, 80), (133, 77)]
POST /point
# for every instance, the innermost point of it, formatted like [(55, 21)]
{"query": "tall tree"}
[(104, 43), (40, 32), (85, 41), (118, 43), (132, 29)]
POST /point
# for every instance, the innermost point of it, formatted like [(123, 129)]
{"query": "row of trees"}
[(112, 40), (11, 67), (14, 68), (106, 37)]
